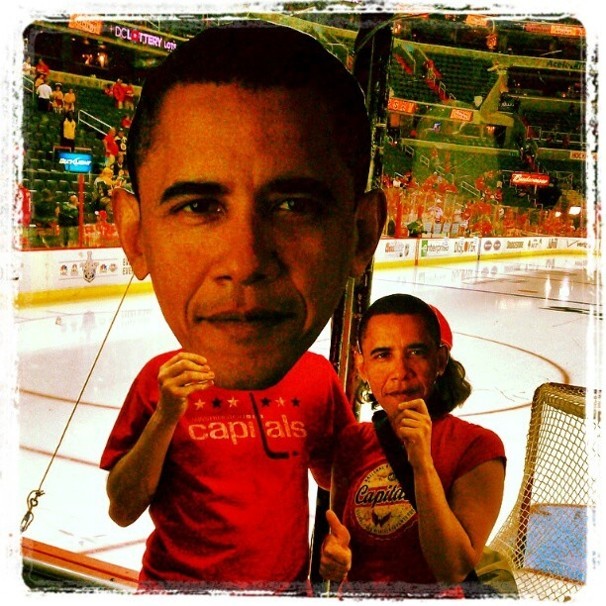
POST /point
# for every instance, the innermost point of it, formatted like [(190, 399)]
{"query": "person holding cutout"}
[(248, 155)]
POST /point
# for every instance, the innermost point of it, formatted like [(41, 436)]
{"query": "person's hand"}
[(180, 376), (335, 559), (412, 424)]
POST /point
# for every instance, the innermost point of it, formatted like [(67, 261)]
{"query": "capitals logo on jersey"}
[(380, 504)]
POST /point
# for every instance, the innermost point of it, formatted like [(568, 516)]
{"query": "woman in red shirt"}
[(413, 509)]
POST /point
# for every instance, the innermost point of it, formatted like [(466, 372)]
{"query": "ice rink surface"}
[(517, 324)]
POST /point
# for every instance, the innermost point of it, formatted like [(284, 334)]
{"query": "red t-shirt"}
[(129, 93), (111, 147), (26, 204), (231, 509), (373, 506), (118, 91)]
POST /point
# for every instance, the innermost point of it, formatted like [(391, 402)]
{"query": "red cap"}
[(445, 331)]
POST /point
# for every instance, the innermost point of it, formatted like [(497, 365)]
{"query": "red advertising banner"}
[(84, 24), (556, 29), (465, 115), (536, 179), (400, 105)]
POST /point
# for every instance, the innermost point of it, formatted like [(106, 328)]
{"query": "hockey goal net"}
[(545, 535)]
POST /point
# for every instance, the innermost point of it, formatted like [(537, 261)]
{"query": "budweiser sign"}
[(536, 179)]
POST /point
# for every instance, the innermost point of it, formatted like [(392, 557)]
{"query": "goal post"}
[(545, 535)]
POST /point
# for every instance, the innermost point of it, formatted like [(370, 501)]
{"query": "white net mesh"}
[(545, 535)]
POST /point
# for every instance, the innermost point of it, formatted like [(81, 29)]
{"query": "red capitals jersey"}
[(231, 509), (374, 507)]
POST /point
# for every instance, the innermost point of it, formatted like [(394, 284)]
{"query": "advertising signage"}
[(86, 25), (74, 162), (401, 105), (140, 37), (509, 105), (123, 32), (464, 115), (556, 29), (535, 179)]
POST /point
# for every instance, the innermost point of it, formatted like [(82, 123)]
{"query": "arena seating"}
[(465, 77), (465, 71), (41, 135)]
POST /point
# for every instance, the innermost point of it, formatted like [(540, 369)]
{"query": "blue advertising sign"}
[(75, 162)]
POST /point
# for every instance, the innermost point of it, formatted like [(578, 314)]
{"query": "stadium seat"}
[(544, 537)]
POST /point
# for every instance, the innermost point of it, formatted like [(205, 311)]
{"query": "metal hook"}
[(32, 501)]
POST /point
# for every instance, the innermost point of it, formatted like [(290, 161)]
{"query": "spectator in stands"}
[(28, 68), (67, 219), (407, 178), (119, 93), (126, 121), (480, 183), (431, 72), (129, 96), (103, 186), (44, 93), (42, 69), (120, 169), (249, 237), (68, 130), (105, 229), (69, 101), (120, 165), (120, 140), (23, 213), (437, 212), (57, 99), (441, 478), (40, 78), (44, 208), (111, 147)]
